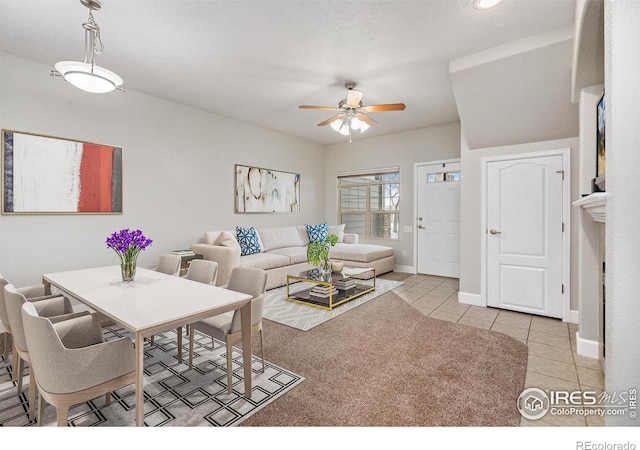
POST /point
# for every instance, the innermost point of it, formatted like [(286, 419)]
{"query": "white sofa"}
[(283, 251)]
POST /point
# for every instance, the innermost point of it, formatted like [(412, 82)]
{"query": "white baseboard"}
[(470, 299), (574, 316), (586, 347), (404, 269)]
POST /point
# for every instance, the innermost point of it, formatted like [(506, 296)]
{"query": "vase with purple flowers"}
[(128, 244)]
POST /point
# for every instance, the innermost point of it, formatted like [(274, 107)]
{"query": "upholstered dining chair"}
[(203, 271), (67, 372), (32, 294), (57, 308), (169, 264), (227, 326)]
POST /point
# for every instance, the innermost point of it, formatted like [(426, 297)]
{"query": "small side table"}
[(186, 260)]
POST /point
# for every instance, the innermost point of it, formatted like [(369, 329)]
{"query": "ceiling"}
[(256, 61)]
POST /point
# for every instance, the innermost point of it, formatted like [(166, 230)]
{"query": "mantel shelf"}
[(595, 204)]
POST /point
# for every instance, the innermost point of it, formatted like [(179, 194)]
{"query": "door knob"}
[(421, 227), (492, 231)]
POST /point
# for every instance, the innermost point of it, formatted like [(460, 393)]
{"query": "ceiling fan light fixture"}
[(359, 125), (87, 75), (486, 4), (352, 115), (341, 126)]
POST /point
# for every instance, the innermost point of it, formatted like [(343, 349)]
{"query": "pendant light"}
[(87, 75)]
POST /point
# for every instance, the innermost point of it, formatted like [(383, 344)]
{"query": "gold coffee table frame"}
[(343, 296)]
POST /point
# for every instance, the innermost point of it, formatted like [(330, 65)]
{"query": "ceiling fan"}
[(352, 114)]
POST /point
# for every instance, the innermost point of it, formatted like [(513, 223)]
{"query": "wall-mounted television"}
[(599, 181)]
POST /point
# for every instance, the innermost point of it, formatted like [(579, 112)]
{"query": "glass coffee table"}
[(327, 291)]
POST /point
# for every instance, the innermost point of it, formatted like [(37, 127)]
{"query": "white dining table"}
[(153, 303)]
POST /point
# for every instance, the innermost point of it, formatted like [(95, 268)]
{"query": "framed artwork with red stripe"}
[(52, 175)]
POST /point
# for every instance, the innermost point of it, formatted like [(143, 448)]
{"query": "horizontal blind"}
[(352, 173)]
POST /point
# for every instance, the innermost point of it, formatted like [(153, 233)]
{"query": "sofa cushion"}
[(264, 261), (302, 233), (210, 237), (359, 252), (295, 254), (248, 240), (318, 232), (338, 230), (227, 239), (279, 237)]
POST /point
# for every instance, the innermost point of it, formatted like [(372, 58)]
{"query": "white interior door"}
[(524, 235), (438, 216)]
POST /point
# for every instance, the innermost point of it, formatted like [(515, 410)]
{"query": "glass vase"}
[(128, 269), (325, 267)]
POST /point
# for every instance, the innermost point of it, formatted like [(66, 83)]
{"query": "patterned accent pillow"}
[(318, 232), (248, 240)]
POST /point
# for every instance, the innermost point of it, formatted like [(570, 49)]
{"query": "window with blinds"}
[(369, 203)]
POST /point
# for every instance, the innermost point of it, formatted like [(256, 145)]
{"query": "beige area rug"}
[(304, 317), (386, 364)]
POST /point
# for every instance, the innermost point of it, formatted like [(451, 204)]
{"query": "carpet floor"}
[(386, 364)]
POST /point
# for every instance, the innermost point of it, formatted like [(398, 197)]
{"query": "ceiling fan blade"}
[(330, 119), (353, 97), (326, 108), (386, 107), (366, 119)]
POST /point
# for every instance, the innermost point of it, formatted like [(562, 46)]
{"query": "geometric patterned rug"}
[(174, 395), (304, 317)]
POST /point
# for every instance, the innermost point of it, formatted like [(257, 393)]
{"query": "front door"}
[(525, 235), (438, 216)]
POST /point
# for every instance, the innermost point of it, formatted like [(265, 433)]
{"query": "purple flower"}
[(128, 243)]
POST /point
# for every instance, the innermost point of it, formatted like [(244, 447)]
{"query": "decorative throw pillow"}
[(318, 232), (248, 240)]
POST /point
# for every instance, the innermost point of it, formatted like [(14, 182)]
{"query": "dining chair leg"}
[(20, 368), (33, 390), (14, 366), (62, 415), (229, 366), (190, 350), (7, 346), (41, 404), (107, 398), (262, 350)]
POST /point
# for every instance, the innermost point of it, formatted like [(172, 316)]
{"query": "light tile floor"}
[(553, 361)]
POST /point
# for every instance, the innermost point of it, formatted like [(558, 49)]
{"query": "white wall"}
[(622, 65), (178, 171), (588, 284), (471, 234), (399, 149)]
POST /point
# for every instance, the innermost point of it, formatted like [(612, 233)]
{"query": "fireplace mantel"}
[(595, 204)]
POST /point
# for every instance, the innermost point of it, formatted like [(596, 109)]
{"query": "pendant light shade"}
[(90, 78), (87, 75)]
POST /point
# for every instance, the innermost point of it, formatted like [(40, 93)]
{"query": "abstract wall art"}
[(52, 175), (261, 190)]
